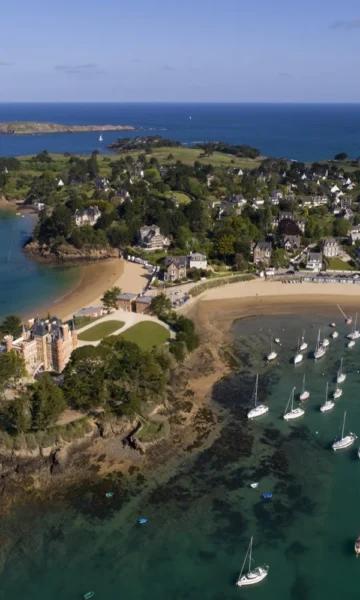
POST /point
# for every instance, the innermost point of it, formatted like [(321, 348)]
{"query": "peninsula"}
[(34, 127)]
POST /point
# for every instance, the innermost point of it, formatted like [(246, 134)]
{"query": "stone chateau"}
[(45, 345)]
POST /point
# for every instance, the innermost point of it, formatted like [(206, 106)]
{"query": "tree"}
[(160, 306), (19, 414), (109, 298), (279, 258), (47, 402), (341, 227), (84, 379), (12, 368), (11, 325)]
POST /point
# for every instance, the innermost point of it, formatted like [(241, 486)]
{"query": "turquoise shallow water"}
[(24, 283), (202, 514)]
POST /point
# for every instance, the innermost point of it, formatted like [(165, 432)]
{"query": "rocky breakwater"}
[(68, 253)]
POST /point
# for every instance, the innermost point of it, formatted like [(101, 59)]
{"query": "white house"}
[(314, 261), (354, 235), (197, 261), (88, 216), (331, 248)]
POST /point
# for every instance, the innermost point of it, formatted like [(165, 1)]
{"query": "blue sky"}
[(180, 50)]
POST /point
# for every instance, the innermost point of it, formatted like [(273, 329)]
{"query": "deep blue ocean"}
[(299, 131)]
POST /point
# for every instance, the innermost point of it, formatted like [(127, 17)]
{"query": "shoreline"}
[(93, 281)]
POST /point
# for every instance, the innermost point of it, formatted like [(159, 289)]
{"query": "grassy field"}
[(336, 264), (99, 331), (189, 155), (146, 335), (179, 197)]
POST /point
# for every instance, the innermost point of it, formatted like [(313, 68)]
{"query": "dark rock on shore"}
[(68, 253)]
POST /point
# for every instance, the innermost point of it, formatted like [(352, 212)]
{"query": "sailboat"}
[(341, 376), (348, 319), (253, 575), (101, 139), (326, 342), (305, 394), (351, 344), (328, 404), (272, 354), (298, 356), (293, 413), (355, 334), (345, 441), (303, 345), (334, 335), (259, 409), (320, 350), (337, 393)]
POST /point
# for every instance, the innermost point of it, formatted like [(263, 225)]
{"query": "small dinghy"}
[(254, 485), (277, 340), (357, 546), (142, 520), (333, 324), (351, 344), (89, 595), (109, 494), (334, 335), (266, 496)]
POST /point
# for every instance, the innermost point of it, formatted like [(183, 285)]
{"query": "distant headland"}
[(34, 127)]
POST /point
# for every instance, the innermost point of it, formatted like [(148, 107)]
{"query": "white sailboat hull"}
[(258, 411), (344, 442), (305, 395), (334, 335), (351, 344), (329, 405), (320, 352), (337, 393), (354, 335), (271, 356), (298, 358), (294, 414), (325, 343), (303, 347), (341, 378), (252, 577)]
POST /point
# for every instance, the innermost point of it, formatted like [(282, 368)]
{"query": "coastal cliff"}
[(68, 253)]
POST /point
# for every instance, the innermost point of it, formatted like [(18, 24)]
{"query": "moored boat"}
[(355, 334), (328, 404), (341, 376), (320, 349), (292, 413), (357, 546), (259, 409), (334, 335), (253, 575), (337, 393), (305, 394), (345, 441)]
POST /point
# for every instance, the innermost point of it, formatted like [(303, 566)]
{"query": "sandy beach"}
[(217, 308), (94, 280)]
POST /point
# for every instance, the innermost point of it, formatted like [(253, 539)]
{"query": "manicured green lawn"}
[(336, 264), (146, 335), (99, 331)]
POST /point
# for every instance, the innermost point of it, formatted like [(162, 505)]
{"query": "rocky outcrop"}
[(68, 253)]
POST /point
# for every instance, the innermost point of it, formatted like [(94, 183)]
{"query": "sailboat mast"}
[(327, 391), (250, 553), (303, 383), (256, 387), (343, 427)]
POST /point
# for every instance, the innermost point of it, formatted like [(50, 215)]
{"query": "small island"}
[(34, 127)]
